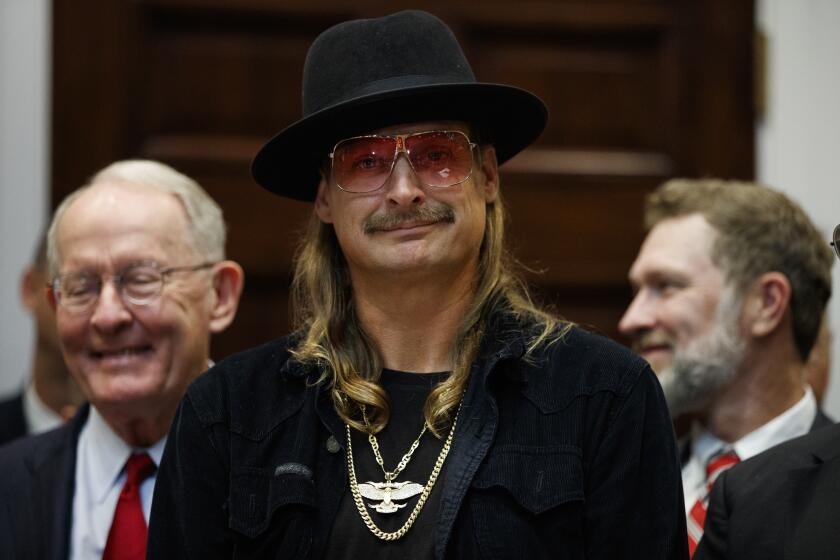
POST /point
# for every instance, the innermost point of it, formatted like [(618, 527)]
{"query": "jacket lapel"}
[(476, 422), (53, 471)]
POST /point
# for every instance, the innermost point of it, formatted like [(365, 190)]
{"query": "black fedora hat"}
[(366, 74)]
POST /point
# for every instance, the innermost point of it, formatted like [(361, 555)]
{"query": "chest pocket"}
[(528, 502), (273, 512)]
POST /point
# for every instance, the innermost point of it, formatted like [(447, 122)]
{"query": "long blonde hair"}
[(333, 339)]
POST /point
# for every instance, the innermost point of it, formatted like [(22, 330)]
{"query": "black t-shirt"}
[(350, 537)]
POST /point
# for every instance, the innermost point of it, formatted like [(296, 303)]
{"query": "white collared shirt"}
[(39, 417), (100, 474), (794, 422)]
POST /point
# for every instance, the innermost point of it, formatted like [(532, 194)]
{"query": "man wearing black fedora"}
[(424, 407)]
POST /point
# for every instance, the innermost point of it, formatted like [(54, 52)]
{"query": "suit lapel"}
[(53, 471)]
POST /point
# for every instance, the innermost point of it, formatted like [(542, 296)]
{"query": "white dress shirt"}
[(39, 417), (100, 475), (794, 422)]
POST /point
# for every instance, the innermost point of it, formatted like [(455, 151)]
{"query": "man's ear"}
[(768, 300), (322, 204), (31, 288), (490, 170), (228, 280)]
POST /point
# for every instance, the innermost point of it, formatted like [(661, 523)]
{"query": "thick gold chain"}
[(357, 496)]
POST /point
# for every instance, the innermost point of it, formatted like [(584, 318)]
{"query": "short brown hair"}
[(759, 230)]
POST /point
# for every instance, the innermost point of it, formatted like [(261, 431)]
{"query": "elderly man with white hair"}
[(139, 284)]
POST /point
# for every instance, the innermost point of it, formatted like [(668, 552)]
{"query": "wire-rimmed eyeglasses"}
[(139, 283), (439, 158)]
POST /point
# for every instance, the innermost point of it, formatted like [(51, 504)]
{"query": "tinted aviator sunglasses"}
[(439, 158), (835, 240)]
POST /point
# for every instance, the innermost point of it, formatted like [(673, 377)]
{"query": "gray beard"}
[(706, 365)]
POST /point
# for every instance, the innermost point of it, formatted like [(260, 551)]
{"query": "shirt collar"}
[(108, 454), (39, 417), (793, 422)]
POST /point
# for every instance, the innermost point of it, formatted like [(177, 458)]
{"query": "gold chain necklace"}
[(374, 444), (389, 490)]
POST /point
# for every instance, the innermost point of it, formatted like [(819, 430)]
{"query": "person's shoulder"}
[(818, 446), (11, 408), (591, 346), (30, 452), (581, 363), (603, 360), (258, 375), (11, 403), (248, 365), (12, 420)]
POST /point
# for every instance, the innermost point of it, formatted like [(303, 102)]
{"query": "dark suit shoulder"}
[(29, 454), (818, 446), (36, 492), (12, 420)]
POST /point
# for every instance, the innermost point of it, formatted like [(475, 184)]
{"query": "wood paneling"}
[(638, 90)]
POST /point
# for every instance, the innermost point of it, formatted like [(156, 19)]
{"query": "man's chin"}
[(661, 361), (126, 389)]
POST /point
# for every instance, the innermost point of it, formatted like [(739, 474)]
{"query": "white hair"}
[(205, 221), (708, 362)]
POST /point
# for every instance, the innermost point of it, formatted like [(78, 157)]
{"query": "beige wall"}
[(24, 129), (798, 141)]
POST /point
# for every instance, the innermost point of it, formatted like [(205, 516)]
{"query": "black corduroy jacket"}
[(568, 454)]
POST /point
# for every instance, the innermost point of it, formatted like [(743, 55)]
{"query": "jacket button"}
[(332, 445)]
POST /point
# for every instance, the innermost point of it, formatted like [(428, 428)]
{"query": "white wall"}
[(799, 139), (24, 160)]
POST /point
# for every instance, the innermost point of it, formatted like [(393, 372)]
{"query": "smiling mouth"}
[(120, 353)]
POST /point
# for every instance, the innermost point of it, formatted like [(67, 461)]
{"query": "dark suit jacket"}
[(37, 479), (782, 504), (12, 421)]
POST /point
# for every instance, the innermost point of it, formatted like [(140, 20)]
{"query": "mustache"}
[(389, 220), (651, 338)]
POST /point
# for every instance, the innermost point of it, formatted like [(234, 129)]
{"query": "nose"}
[(110, 313), (640, 315), (403, 186)]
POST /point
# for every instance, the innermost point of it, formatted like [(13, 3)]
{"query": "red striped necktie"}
[(697, 516), (127, 537)]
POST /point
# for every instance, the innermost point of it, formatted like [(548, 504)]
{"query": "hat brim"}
[(508, 117)]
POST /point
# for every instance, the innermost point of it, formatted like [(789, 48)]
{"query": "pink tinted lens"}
[(440, 158), (363, 164)]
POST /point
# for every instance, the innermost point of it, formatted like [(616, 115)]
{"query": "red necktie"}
[(127, 537), (697, 515)]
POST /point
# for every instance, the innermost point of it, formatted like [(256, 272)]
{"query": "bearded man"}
[(731, 284), (424, 408), (781, 504)]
